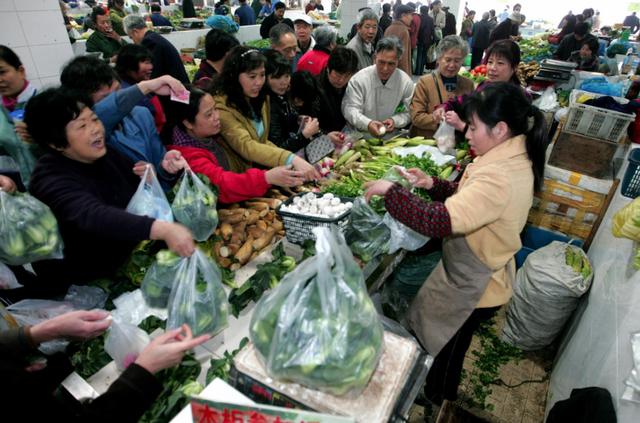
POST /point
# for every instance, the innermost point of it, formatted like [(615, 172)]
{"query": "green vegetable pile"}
[(28, 230), (578, 261), (534, 49), (195, 207), (198, 298), (158, 282), (259, 44), (267, 276), (319, 327)]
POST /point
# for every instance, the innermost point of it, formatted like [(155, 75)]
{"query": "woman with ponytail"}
[(480, 220)]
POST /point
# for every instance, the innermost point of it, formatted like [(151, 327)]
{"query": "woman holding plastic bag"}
[(25, 385), (480, 220), (196, 138), (88, 187)]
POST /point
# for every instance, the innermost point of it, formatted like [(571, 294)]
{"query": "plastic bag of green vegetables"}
[(149, 199), (28, 230), (198, 298), (394, 174), (157, 283), (319, 327), (195, 206), (367, 235)]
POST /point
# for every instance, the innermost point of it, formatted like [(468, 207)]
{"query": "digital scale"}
[(555, 70)]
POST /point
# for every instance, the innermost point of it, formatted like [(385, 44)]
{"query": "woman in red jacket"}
[(195, 137)]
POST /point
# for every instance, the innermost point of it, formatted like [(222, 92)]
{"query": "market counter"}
[(596, 348)]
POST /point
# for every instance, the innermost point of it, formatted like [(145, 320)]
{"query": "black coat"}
[(449, 25), (271, 21), (501, 32), (283, 127), (427, 31), (481, 32), (164, 56), (327, 106), (89, 202)]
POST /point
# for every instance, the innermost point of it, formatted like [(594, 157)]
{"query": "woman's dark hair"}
[(504, 102), (86, 75), (113, 3), (569, 25), (303, 87), (277, 65), (155, 8), (97, 11), (386, 8), (593, 44), (241, 59), (9, 57), (48, 113), (129, 58), (189, 111), (217, 43), (424, 10), (343, 60), (509, 51)]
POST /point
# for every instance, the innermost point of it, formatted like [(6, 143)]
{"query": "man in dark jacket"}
[(385, 19), (273, 19), (480, 39), (573, 42), (426, 37), (245, 14), (450, 23)]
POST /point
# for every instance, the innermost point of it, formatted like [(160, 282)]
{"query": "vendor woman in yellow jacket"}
[(244, 116), (480, 219)]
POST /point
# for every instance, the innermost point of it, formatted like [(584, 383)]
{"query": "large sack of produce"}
[(158, 281), (319, 327), (28, 230), (198, 298), (195, 206), (546, 292), (149, 199)]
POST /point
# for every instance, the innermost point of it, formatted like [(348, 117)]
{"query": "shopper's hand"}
[(438, 114), (173, 162), (375, 127), (379, 187), (284, 176), (113, 35), (7, 184), (23, 132), (389, 124), (168, 349), (310, 173), (454, 120), (140, 167), (164, 85), (177, 237), (311, 127), (337, 138), (418, 178), (80, 324)]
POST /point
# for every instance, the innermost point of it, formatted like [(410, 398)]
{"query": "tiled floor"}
[(523, 402)]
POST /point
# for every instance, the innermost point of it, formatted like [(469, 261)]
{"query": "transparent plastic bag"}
[(125, 342), (158, 282), (28, 230), (86, 297), (367, 235), (394, 175), (319, 327), (198, 298), (445, 136), (402, 236), (149, 199), (7, 278), (626, 221), (195, 206)]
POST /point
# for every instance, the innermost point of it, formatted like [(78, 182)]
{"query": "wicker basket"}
[(596, 122), (299, 228)]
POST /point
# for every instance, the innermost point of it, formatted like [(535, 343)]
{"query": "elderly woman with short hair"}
[(314, 61), (440, 86)]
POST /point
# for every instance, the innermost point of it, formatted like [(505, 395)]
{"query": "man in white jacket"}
[(378, 97)]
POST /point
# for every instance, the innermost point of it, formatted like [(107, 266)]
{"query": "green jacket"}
[(116, 21), (98, 42)]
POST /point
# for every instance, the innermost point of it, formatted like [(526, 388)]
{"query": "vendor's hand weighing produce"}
[(198, 298), (195, 206), (28, 230), (318, 327)]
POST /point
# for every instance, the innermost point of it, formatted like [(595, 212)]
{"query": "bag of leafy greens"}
[(198, 298), (149, 199), (319, 327), (195, 206), (157, 283), (367, 234), (28, 230)]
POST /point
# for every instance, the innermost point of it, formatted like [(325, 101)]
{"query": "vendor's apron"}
[(449, 296)]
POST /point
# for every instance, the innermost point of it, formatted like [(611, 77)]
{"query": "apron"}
[(449, 296)]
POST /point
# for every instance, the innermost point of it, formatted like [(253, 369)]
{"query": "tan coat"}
[(490, 209), (426, 98), (400, 30), (241, 143)]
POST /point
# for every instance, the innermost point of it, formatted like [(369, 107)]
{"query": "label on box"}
[(204, 411)]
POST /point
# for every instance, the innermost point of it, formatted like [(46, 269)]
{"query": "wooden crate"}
[(589, 156), (573, 211)]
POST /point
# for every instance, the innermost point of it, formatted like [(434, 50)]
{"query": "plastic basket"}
[(298, 228), (631, 180), (596, 122)]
